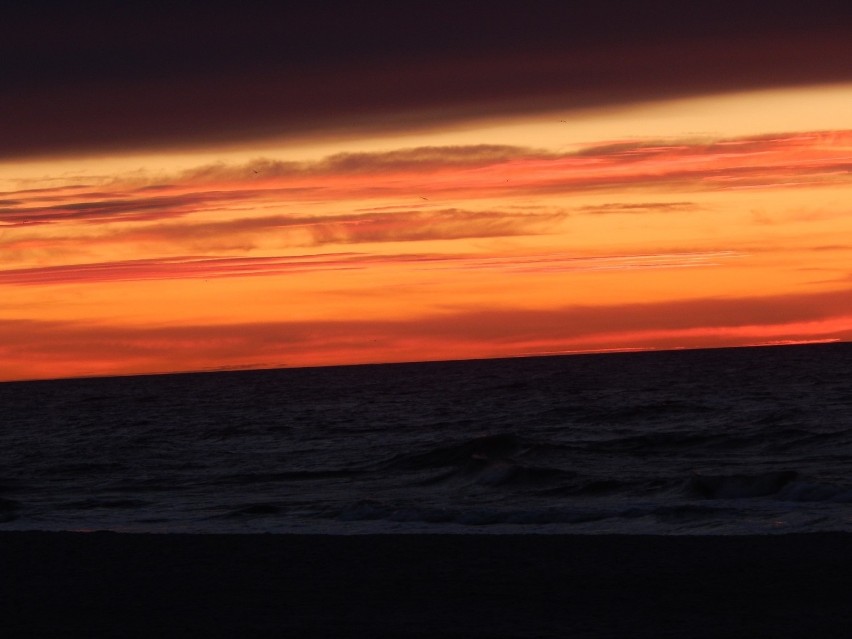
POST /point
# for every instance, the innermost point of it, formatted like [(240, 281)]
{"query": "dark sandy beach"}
[(128, 585)]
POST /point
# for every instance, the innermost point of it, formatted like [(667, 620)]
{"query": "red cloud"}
[(204, 267), (453, 173), (33, 348)]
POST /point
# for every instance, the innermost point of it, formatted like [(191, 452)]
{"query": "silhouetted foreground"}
[(127, 585)]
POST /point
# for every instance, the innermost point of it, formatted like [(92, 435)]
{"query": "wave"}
[(85, 468), (693, 440), (681, 514), (785, 485), (371, 511), (491, 460), (8, 509), (739, 486), (651, 410), (260, 509), (284, 476), (117, 503), (499, 473), (489, 447)]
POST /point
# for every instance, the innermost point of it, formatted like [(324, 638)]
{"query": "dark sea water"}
[(731, 441)]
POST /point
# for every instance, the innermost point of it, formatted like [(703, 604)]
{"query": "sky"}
[(217, 187)]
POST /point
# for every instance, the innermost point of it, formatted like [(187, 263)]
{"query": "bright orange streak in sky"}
[(430, 250)]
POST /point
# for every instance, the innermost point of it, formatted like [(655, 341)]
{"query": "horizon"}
[(284, 367)]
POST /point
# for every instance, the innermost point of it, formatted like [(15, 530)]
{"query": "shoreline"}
[(180, 585)]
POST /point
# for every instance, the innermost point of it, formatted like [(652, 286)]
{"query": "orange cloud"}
[(246, 233), (423, 158), (639, 207), (201, 267), (812, 159), (767, 161), (421, 194), (112, 209), (50, 349)]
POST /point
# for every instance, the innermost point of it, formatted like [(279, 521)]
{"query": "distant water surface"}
[(730, 441)]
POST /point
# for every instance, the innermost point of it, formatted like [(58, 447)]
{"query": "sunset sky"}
[(211, 188)]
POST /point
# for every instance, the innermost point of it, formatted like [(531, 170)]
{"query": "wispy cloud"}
[(414, 226), (118, 209), (423, 158), (562, 263), (191, 267), (458, 173), (780, 161), (207, 267), (794, 159), (283, 231), (639, 207)]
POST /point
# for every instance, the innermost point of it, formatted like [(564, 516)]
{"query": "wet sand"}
[(471, 586)]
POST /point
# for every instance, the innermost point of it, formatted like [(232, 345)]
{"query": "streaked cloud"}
[(456, 173), (206, 267), (249, 233), (118, 209), (399, 160), (76, 348), (639, 207), (175, 268)]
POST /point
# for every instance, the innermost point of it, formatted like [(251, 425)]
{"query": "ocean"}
[(720, 442)]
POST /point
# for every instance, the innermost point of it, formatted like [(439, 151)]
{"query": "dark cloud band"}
[(77, 81)]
